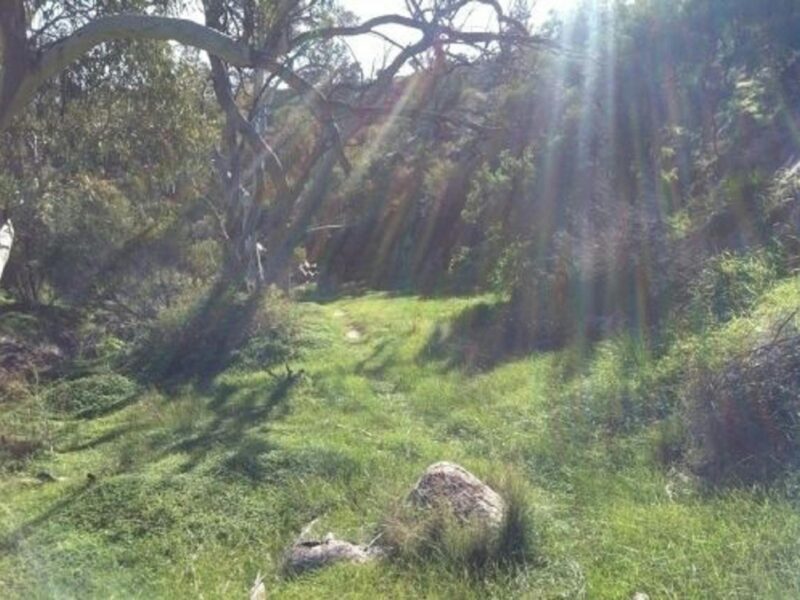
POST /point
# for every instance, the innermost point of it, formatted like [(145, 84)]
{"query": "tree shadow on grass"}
[(203, 345), (240, 417), (357, 290), (10, 541), (237, 410), (379, 360), (106, 438), (481, 338)]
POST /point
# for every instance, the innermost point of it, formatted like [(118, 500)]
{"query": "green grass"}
[(198, 492)]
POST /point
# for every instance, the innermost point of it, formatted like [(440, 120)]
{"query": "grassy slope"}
[(198, 492)]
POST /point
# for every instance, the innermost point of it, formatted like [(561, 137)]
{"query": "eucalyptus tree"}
[(262, 54), (103, 174)]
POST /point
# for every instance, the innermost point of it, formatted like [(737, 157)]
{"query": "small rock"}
[(259, 590), (354, 335), (640, 596), (452, 485), (314, 554)]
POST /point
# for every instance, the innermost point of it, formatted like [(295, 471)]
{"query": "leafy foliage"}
[(93, 197)]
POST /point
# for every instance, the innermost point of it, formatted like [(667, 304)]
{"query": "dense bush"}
[(743, 418), (90, 396)]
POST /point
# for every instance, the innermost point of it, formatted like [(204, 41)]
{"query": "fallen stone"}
[(315, 554), (259, 590), (450, 485), (354, 335)]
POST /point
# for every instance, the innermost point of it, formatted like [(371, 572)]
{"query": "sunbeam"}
[(400, 299)]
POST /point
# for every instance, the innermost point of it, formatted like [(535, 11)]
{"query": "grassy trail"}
[(197, 491)]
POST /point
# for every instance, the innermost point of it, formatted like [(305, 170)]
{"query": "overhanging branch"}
[(52, 59), (25, 71)]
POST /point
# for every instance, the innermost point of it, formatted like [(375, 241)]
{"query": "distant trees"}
[(468, 160), (267, 58)]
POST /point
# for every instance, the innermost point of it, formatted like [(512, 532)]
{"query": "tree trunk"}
[(6, 242)]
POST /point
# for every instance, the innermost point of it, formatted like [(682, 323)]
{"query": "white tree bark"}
[(6, 241)]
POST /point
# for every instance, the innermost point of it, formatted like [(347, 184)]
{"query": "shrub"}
[(25, 424), (743, 418), (198, 341), (265, 350), (91, 396), (668, 441), (730, 284)]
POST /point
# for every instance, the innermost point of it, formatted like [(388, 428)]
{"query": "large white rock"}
[(450, 485)]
